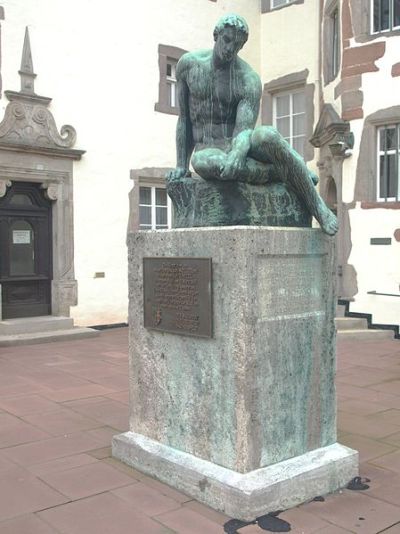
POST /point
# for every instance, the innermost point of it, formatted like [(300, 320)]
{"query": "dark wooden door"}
[(25, 252)]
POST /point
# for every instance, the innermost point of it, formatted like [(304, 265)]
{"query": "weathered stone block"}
[(260, 393)]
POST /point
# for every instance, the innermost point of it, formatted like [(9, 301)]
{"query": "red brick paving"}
[(60, 404)]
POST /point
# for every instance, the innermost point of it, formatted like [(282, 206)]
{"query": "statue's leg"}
[(268, 145)]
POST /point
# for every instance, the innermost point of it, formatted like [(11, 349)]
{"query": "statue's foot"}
[(328, 221), (314, 177)]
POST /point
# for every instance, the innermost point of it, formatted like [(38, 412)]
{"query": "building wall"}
[(99, 63), (371, 59)]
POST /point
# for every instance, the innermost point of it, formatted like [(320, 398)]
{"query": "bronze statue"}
[(219, 99)]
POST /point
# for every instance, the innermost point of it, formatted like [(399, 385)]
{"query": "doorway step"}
[(350, 326), (43, 329)]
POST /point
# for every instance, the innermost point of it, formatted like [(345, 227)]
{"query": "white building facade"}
[(330, 83)]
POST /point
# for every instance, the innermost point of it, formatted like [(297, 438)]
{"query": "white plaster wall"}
[(377, 266), (290, 43), (99, 63)]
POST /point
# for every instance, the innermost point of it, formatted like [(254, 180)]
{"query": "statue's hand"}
[(179, 172), (233, 166)]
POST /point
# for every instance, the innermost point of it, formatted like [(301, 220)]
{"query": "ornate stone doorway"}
[(36, 204)]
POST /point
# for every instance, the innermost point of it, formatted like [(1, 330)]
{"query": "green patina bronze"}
[(219, 99)]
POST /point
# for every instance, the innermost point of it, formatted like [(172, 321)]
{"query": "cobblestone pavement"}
[(60, 404)]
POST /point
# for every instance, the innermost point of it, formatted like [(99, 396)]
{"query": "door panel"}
[(25, 252)]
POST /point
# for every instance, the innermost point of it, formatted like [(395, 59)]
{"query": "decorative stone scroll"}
[(3, 187)]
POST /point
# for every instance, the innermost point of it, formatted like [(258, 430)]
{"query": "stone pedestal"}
[(198, 202), (245, 421)]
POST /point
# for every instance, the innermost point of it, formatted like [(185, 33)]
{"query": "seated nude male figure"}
[(219, 99)]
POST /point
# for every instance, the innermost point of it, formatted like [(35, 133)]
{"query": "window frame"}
[(291, 92), (166, 54), (154, 206), (291, 82), (391, 28), (379, 152), (267, 5)]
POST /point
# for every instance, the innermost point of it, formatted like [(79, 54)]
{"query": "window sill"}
[(266, 5), (367, 37), (164, 108), (389, 205)]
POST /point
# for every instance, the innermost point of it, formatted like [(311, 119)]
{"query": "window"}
[(154, 208), (335, 61), (388, 163), (171, 82), (289, 118), (168, 57), (386, 15)]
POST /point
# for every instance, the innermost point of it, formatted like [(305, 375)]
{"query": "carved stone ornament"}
[(3, 187), (51, 190), (32, 124), (28, 123), (331, 130)]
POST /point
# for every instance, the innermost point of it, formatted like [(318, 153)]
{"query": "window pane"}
[(161, 216), (381, 15), (22, 249), (298, 145), (145, 195), (20, 199), (144, 215), (171, 88), (335, 43), (169, 69), (282, 105), (387, 138), (396, 13), (277, 3), (283, 126), (388, 177), (299, 124), (298, 103), (161, 197)]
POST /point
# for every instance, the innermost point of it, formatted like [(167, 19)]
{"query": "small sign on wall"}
[(21, 237)]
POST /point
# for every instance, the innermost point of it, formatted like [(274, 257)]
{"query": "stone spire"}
[(26, 71)]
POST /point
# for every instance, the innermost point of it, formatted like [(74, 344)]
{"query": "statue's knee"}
[(266, 135)]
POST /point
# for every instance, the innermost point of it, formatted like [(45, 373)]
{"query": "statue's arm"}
[(246, 118), (184, 135)]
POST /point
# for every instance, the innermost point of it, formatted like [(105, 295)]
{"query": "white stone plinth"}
[(241, 496), (255, 401)]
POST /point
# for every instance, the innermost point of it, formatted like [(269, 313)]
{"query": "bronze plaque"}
[(178, 295)]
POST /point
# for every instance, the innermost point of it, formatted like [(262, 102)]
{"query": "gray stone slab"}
[(47, 337), (241, 496), (25, 325)]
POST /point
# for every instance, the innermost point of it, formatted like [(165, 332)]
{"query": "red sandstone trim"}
[(384, 205), (397, 234), (352, 114), (396, 70)]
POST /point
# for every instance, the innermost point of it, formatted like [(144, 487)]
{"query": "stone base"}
[(241, 496), (42, 329)]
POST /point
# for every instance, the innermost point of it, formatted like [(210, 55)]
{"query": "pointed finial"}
[(26, 72)]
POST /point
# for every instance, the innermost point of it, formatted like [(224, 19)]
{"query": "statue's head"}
[(230, 34)]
